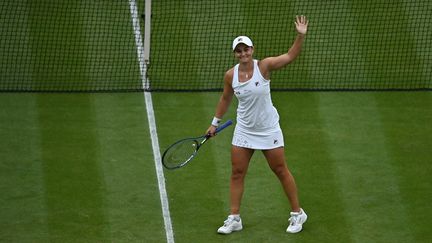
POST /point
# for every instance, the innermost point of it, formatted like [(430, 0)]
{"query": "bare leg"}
[(276, 161), (240, 158)]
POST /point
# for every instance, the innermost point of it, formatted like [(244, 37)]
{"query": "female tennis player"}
[(257, 125)]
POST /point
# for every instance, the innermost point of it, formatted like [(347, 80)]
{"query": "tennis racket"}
[(183, 151)]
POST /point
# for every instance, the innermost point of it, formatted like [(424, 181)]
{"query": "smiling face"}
[(243, 53)]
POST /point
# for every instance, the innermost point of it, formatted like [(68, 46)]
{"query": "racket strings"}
[(180, 153)]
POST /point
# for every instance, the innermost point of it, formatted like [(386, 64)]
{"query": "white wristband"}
[(215, 122)]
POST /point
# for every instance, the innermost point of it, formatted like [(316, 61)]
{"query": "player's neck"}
[(246, 66)]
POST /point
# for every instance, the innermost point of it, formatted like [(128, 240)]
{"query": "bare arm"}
[(224, 100), (274, 63)]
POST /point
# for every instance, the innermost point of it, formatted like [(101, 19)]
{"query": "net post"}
[(147, 31)]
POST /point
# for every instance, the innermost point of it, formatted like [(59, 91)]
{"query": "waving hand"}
[(301, 24)]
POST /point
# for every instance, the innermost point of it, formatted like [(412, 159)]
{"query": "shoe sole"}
[(293, 232), (227, 233)]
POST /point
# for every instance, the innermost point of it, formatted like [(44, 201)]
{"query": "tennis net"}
[(90, 45), (49, 45)]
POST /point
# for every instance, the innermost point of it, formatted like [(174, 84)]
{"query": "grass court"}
[(79, 167)]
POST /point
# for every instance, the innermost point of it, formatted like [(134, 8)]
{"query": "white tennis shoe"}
[(232, 223), (296, 220)]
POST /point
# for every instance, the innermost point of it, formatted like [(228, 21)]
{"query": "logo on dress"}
[(275, 141), (256, 84)]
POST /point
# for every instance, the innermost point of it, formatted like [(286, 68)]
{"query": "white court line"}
[(152, 125)]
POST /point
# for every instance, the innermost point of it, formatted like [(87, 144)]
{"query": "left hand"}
[(301, 24)]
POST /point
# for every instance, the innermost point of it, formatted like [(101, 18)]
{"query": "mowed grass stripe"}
[(74, 187), (407, 118), (362, 163), (22, 210), (132, 204)]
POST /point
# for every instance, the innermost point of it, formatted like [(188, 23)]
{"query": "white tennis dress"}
[(257, 119)]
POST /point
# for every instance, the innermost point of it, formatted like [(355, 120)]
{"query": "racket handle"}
[(223, 126)]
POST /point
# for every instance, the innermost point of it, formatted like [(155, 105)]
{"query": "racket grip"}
[(223, 126)]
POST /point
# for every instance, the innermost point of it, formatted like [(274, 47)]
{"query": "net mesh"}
[(49, 45), (351, 45)]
